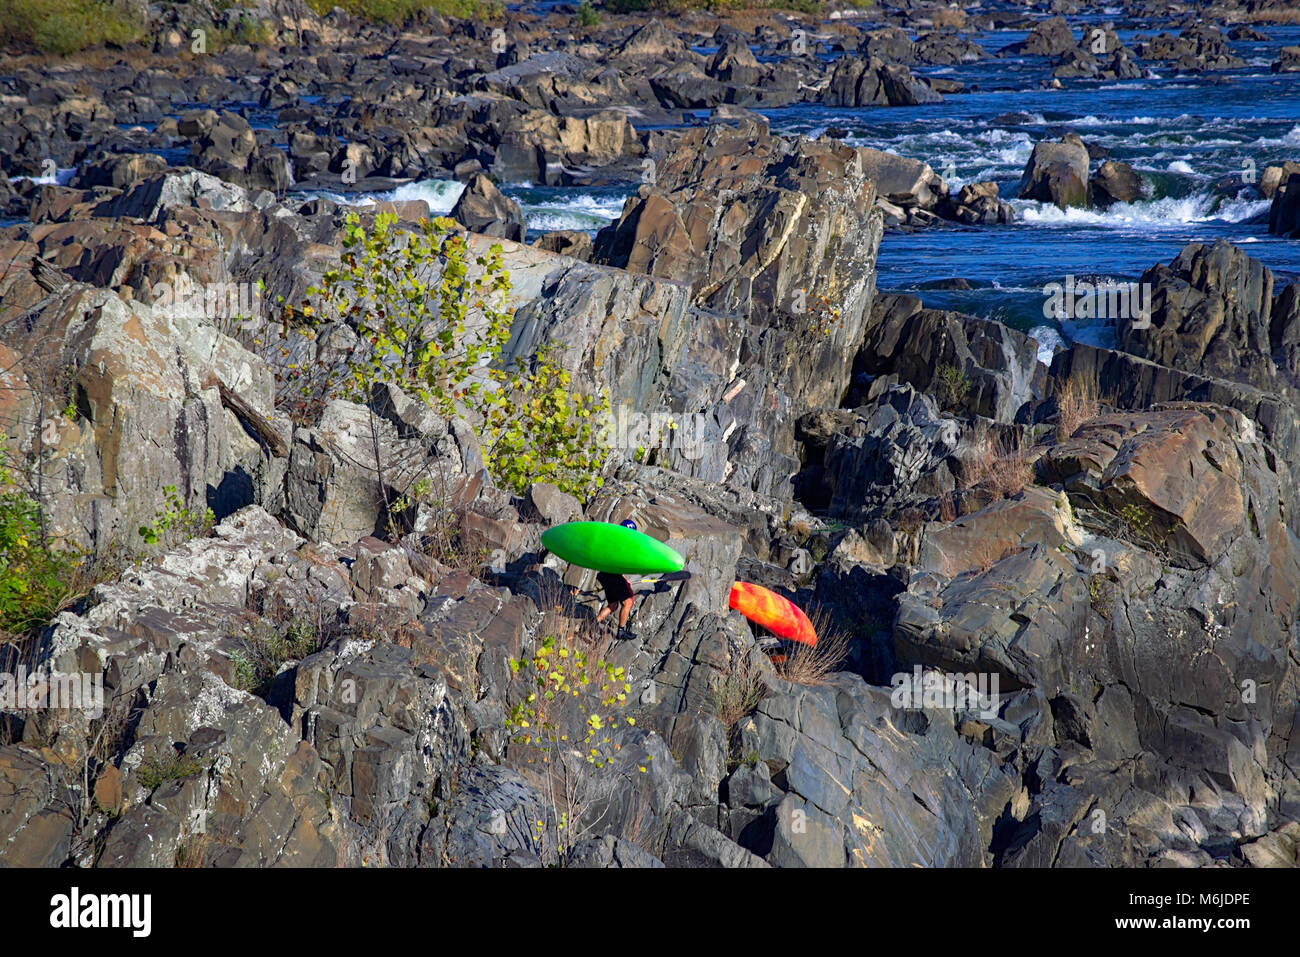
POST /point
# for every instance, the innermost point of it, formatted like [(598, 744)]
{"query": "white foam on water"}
[(1170, 211), (1240, 210), (1091, 120), (1049, 341), (61, 177), (580, 211), (1181, 166), (440, 194), (1291, 138)]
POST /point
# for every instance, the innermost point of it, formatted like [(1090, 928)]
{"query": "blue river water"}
[(1199, 142)]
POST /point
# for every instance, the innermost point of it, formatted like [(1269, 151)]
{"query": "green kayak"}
[(607, 547)]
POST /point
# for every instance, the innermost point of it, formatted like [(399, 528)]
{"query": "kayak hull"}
[(606, 547), (778, 615)]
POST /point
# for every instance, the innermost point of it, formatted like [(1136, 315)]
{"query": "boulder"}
[(119, 170), (869, 82), (946, 48), (482, 208), (1057, 173), (888, 45), (902, 181), (1275, 177), (567, 242), (1288, 61), (1050, 37), (977, 203), (1115, 182), (229, 149), (734, 63)]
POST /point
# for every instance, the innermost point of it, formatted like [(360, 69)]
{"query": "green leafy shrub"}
[(35, 579), (66, 26), (953, 386), (412, 302), (174, 523), (174, 767), (586, 15), (263, 650), (539, 430), (436, 329)]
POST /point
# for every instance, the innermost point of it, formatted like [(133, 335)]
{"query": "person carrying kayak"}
[(618, 592)]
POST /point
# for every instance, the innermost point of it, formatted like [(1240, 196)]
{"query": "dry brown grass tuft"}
[(739, 691), (1076, 404), (983, 555), (563, 619), (948, 508), (1000, 465), (190, 852), (812, 665)]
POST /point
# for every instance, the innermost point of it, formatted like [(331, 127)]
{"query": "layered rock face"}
[(776, 240), (119, 400)]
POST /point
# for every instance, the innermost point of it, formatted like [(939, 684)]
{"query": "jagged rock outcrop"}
[(1050, 37), (1284, 214), (1288, 61), (785, 266), (123, 399), (908, 343), (857, 82), (482, 208), (1211, 313)]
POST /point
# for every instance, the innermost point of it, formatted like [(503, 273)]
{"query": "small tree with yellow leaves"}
[(569, 726), (433, 320)]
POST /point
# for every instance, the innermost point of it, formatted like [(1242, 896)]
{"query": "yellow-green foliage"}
[(65, 26), (436, 329), (35, 579), (412, 302), (561, 673), (569, 692), (174, 523), (538, 430), (399, 11), (248, 31)]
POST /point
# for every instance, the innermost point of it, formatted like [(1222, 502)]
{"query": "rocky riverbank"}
[(1109, 542)]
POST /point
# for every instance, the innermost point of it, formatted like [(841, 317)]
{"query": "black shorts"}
[(617, 587)]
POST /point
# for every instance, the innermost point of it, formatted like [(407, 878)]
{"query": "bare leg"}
[(623, 612), (604, 613)]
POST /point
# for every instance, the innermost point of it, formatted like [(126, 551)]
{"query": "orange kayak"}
[(778, 615)]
